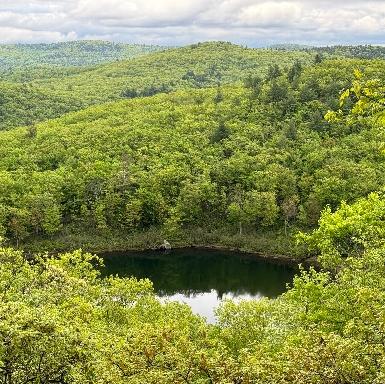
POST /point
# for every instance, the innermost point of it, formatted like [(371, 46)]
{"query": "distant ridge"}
[(60, 90), (336, 51), (289, 47), (73, 53), (84, 53)]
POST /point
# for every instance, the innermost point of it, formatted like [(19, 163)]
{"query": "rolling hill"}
[(73, 53), (195, 66)]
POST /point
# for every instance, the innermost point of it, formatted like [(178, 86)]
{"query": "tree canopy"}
[(203, 152), (243, 158)]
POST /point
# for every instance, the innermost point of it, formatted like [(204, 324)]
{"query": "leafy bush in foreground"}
[(59, 322)]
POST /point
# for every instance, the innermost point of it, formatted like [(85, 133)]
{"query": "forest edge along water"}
[(203, 277)]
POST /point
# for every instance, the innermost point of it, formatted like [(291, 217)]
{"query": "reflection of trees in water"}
[(191, 272), (192, 294)]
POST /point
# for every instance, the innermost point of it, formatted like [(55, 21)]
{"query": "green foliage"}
[(186, 159), (25, 104), (369, 52), (24, 92), (273, 72), (349, 230), (251, 157), (255, 83), (277, 91), (72, 53), (294, 71), (61, 322), (241, 159), (368, 97), (317, 58)]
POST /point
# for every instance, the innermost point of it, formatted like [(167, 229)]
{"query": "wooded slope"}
[(196, 66), (237, 158), (72, 53)]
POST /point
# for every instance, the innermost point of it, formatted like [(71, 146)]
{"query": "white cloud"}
[(15, 35), (102, 9), (176, 22), (271, 14), (136, 13)]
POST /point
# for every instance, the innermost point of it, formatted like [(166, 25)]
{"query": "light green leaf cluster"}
[(368, 95), (349, 230)]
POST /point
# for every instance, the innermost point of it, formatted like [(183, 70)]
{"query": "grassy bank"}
[(99, 240)]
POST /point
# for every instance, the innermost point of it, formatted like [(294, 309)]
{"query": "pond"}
[(203, 277)]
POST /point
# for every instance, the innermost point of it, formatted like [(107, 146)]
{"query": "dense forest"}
[(272, 151), (72, 53), (228, 164), (63, 89), (337, 51), (197, 66), (61, 323)]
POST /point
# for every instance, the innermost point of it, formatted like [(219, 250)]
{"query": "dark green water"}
[(201, 277)]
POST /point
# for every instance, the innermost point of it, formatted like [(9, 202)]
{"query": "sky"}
[(253, 23)]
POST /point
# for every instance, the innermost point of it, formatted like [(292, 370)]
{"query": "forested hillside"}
[(238, 159), (28, 96), (73, 53), (353, 51), (195, 66), (292, 153), (337, 51)]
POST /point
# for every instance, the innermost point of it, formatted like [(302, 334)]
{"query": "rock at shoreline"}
[(165, 246)]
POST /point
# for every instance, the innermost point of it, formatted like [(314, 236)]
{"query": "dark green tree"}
[(273, 72)]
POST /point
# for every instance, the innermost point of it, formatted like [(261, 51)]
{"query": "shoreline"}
[(274, 258), (269, 245)]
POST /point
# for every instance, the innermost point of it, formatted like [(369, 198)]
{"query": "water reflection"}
[(202, 278), (204, 303)]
